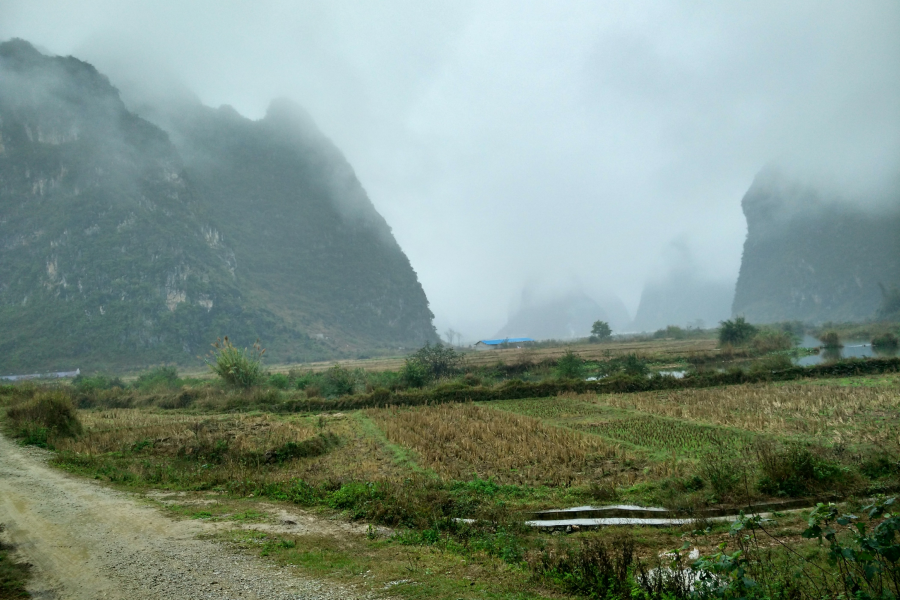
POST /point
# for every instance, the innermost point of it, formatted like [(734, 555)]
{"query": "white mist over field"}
[(574, 146)]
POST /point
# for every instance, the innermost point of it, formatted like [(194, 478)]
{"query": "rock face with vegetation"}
[(123, 244), (815, 258)]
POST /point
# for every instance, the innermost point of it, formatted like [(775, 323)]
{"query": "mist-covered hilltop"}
[(562, 316), (119, 247), (685, 300), (815, 257)]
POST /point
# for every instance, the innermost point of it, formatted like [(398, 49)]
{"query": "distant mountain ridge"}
[(684, 300), (562, 317), (121, 248), (813, 257)]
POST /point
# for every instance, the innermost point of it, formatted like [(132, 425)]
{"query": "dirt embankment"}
[(86, 542)]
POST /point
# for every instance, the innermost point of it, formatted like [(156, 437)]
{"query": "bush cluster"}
[(48, 414), (238, 367)]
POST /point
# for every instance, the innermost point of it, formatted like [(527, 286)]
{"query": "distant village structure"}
[(502, 343), (57, 375)]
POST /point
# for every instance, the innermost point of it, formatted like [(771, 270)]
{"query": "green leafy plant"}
[(869, 565), (338, 381), (90, 383), (158, 378), (830, 339), (793, 470), (13, 573), (437, 360), (414, 374), (600, 331), (237, 367), (772, 340), (279, 381), (885, 340), (736, 332), (570, 366), (722, 469)]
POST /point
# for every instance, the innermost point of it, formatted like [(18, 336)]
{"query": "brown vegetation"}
[(462, 440), (830, 412)]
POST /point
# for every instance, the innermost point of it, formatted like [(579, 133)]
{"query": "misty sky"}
[(551, 144)]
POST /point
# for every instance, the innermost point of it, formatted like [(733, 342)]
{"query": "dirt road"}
[(89, 542)]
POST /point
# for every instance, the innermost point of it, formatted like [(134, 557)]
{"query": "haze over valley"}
[(616, 180)]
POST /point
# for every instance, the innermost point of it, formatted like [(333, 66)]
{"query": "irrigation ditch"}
[(595, 517)]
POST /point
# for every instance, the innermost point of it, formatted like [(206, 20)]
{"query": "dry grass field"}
[(459, 441), (827, 412), (169, 434)]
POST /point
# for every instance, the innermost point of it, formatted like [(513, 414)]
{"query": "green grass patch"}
[(403, 457), (13, 574), (391, 566)]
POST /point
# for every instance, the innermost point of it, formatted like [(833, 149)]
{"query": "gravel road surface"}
[(87, 542)]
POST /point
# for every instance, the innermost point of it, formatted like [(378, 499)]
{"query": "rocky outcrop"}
[(123, 244), (814, 256)]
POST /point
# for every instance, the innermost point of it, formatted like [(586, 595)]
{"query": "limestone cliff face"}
[(812, 257), (120, 248)]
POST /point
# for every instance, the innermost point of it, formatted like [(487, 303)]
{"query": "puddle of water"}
[(850, 349), (624, 514), (676, 374)]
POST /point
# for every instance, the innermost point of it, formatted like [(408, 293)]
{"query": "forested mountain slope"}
[(118, 248)]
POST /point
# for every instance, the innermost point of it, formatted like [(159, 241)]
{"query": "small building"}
[(502, 343)]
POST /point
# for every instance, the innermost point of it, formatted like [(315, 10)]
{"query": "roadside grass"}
[(389, 566), (13, 573)]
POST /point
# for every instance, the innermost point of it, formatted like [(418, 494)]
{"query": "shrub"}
[(671, 331), (338, 381), (279, 381), (570, 366), (158, 378), (46, 415), (314, 446), (885, 340), (830, 339), (90, 383), (240, 368), (634, 366), (736, 332), (437, 360), (771, 340), (631, 365), (722, 470), (414, 374), (769, 364), (793, 470), (599, 569)]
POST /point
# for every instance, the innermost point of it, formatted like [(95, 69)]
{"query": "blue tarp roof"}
[(505, 341)]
